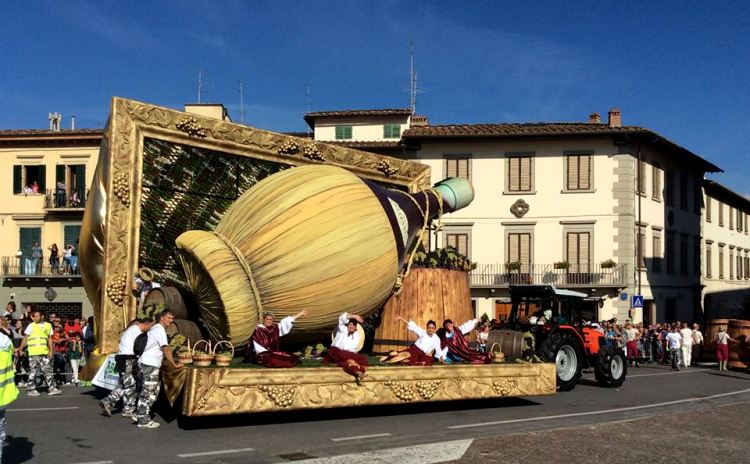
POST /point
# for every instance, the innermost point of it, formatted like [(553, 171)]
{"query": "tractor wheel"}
[(564, 349), (610, 366)]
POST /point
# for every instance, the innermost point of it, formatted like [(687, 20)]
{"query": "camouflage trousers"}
[(125, 389), (149, 391), (2, 432), (40, 364)]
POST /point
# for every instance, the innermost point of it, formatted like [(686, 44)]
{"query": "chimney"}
[(417, 121), (615, 118), (54, 121), (595, 118), (72, 123)]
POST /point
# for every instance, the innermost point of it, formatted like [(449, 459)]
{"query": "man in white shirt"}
[(127, 367), (157, 348), (674, 343), (423, 352), (343, 351), (697, 341), (687, 344)]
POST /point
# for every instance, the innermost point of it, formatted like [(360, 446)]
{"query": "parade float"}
[(241, 221)]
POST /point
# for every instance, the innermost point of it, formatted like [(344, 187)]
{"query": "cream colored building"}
[(726, 253), (603, 208), (46, 176)]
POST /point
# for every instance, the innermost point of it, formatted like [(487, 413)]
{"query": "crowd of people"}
[(59, 261)]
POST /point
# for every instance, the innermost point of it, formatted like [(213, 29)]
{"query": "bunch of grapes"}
[(281, 396), (427, 388), (401, 390), (289, 147), (116, 289), (122, 188)]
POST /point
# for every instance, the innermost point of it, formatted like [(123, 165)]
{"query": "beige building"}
[(726, 253), (46, 176), (610, 210)]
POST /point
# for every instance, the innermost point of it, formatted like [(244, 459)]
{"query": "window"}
[(641, 249), (669, 252), (578, 251), (709, 252), (391, 131), (721, 261), (731, 264), (343, 132), (730, 210), (739, 220), (697, 197), (27, 237), (670, 187), (458, 166), (683, 191), (578, 172), (747, 266), (519, 250), (721, 214), (684, 255), (460, 241), (29, 179), (71, 233), (656, 253), (641, 178), (708, 208), (70, 186), (520, 176), (697, 256), (655, 183), (739, 265)]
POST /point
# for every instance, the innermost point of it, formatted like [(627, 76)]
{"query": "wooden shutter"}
[(656, 183), (463, 168), (708, 260), (572, 258), (641, 249), (27, 237), (71, 235), (514, 174), (525, 174), (584, 182), (519, 249), (460, 242), (721, 214), (708, 209), (81, 181), (42, 178), (60, 174), (656, 254), (573, 172), (17, 179)]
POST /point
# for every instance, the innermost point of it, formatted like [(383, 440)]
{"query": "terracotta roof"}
[(728, 196), (31, 137), (360, 145), (47, 132), (309, 117), (625, 134)]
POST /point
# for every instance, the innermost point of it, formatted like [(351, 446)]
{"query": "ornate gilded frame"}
[(110, 237)]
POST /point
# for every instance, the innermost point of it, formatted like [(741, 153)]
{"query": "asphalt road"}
[(69, 428)]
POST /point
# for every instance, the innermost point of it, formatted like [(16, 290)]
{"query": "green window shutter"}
[(59, 174), (17, 179), (343, 132), (81, 181), (29, 235), (42, 178), (70, 235), (391, 131)]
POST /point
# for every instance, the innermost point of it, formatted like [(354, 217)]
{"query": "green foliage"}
[(442, 258), (562, 265), (513, 266), (608, 264)]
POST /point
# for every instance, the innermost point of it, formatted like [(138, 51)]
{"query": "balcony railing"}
[(65, 199), (593, 275), (12, 266)]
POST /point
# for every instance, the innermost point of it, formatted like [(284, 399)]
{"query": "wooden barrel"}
[(739, 353), (427, 294), (188, 329), (709, 340), (171, 298), (510, 341)]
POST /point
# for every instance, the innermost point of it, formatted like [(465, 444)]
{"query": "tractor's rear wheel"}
[(565, 350), (610, 366)]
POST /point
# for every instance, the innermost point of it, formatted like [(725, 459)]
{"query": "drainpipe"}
[(638, 229)]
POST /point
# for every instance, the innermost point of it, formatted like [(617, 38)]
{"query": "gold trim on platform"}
[(212, 391)]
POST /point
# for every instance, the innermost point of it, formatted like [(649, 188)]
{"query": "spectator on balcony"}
[(54, 259), (36, 257), (60, 195), (68, 267), (35, 187), (75, 200)]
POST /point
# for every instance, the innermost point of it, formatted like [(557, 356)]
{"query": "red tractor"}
[(551, 321)]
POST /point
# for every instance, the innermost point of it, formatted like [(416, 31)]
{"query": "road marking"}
[(42, 409), (96, 462), (431, 453), (669, 373), (212, 453), (360, 437), (593, 413)]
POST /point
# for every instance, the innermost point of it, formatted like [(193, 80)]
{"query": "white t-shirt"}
[(344, 340), (46, 326), (426, 343), (5, 342), (674, 340), (697, 337), (687, 336), (153, 355), (128, 338)]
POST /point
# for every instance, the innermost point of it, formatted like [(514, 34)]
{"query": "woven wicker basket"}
[(497, 354), (223, 360), (203, 359), (185, 357)]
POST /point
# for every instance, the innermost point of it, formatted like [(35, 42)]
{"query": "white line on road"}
[(592, 413), (212, 453), (669, 373), (360, 437), (430, 453), (96, 462), (42, 409)]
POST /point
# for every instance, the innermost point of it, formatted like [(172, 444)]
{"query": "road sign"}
[(637, 301)]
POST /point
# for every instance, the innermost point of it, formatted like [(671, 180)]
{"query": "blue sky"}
[(679, 68)]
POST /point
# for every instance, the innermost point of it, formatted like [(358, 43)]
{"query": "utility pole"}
[(412, 80)]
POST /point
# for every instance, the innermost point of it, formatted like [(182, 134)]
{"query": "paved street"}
[(589, 422)]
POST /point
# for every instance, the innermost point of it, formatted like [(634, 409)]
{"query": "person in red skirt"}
[(722, 347), (423, 352), (343, 351), (263, 347)]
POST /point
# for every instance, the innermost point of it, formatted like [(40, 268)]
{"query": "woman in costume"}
[(343, 351), (456, 347), (263, 347), (423, 352)]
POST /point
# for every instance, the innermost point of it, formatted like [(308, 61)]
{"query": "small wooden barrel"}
[(739, 353), (709, 340), (171, 298), (188, 329), (510, 342), (427, 294)]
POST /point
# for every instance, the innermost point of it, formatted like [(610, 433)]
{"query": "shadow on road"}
[(17, 450), (244, 420)]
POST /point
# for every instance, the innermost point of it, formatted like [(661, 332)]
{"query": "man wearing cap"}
[(346, 343), (264, 348)]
